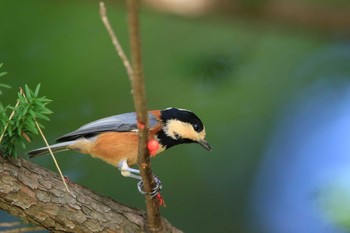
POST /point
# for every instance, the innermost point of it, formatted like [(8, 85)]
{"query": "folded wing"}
[(119, 123)]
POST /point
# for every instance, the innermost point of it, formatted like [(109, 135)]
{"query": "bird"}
[(114, 139)]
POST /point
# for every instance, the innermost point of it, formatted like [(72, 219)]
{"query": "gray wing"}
[(119, 123)]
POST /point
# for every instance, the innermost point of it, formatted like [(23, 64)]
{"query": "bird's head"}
[(181, 126)]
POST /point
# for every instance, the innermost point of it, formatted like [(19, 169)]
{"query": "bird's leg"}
[(127, 171)]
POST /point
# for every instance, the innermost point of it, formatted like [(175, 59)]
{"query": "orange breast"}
[(114, 146)]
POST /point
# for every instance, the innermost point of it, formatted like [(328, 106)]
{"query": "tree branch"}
[(139, 95), (38, 196), (136, 78)]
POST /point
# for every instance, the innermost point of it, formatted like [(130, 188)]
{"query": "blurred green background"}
[(243, 75)]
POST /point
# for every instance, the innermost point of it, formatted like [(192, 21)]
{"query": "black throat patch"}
[(168, 142)]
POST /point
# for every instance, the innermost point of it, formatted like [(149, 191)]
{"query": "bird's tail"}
[(45, 150)]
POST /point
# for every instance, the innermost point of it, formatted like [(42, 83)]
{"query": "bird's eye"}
[(196, 127)]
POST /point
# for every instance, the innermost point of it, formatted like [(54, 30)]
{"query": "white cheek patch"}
[(175, 128)]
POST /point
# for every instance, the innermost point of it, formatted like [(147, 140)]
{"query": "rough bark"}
[(38, 196)]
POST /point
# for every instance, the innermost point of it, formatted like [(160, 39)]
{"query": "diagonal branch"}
[(38, 196)]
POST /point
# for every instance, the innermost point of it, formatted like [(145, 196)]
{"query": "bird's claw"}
[(155, 190)]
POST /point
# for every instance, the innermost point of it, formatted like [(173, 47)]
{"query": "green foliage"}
[(29, 108)]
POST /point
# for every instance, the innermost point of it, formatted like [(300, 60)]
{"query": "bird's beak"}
[(205, 144)]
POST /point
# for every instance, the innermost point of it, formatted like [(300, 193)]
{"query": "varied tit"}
[(115, 139)]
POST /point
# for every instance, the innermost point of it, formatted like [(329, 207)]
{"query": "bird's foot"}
[(155, 191)]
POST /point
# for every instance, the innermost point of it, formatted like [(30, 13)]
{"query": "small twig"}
[(115, 41), (53, 156), (48, 146)]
